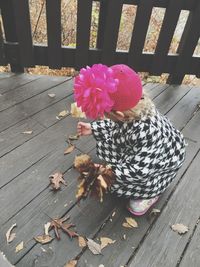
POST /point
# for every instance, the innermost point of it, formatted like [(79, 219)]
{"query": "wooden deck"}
[(26, 161)]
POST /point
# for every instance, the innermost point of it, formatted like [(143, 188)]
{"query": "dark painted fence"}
[(17, 48)]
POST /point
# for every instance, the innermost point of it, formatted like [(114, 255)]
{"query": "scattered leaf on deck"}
[(74, 137), (69, 149), (10, 236), (82, 242), (106, 241), (154, 212), (28, 132), (131, 222), (94, 247), (59, 224), (180, 228), (63, 113), (43, 239), (126, 225), (52, 95), (19, 247), (71, 263), (56, 179), (76, 111)]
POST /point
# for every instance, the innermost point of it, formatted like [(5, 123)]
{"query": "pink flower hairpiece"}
[(92, 90)]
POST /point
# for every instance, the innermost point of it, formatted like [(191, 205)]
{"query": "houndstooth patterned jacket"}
[(145, 154)]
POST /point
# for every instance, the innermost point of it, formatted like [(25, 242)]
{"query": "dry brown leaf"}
[(106, 241), (94, 247), (131, 222), (73, 137), (69, 149), (56, 179), (180, 228), (155, 211), (71, 263), (43, 239), (10, 236), (82, 242), (57, 224), (63, 113), (19, 247), (126, 225), (102, 182), (76, 111), (52, 95), (28, 132)]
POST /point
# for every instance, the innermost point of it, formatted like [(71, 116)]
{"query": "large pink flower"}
[(92, 90)]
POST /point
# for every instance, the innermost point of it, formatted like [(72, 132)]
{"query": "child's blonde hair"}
[(145, 107)]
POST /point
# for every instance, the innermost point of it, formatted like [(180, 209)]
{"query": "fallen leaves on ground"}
[(10, 236), (71, 263), (52, 95), (43, 239), (106, 241), (76, 111), (56, 179), (154, 212), (69, 149), (19, 247), (94, 247), (180, 228), (82, 242), (57, 224), (46, 238), (63, 114), (73, 137), (28, 132), (130, 223), (94, 179)]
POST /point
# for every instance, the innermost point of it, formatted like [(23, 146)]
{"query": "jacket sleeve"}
[(102, 129)]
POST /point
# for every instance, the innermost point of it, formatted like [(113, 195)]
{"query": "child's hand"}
[(84, 128)]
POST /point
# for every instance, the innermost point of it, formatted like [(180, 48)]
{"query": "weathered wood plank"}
[(15, 81), (28, 108), (4, 75), (170, 97), (181, 208), (14, 137), (191, 256), (25, 92)]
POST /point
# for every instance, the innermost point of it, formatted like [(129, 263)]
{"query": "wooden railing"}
[(18, 50)]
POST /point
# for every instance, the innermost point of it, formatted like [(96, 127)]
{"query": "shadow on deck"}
[(27, 160)]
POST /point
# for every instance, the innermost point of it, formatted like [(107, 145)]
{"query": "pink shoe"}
[(141, 206)]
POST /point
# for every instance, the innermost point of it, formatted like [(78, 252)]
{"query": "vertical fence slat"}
[(23, 28), (53, 11), (84, 12), (114, 11), (166, 34), (187, 45), (141, 24), (2, 51), (8, 19), (101, 23)]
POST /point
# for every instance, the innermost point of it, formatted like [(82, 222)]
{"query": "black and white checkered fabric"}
[(145, 155)]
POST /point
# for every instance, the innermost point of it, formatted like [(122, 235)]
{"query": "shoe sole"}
[(142, 212)]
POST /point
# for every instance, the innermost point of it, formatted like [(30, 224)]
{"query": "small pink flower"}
[(92, 90)]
